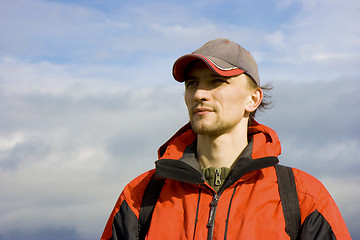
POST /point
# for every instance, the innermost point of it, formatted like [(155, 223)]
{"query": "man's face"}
[(216, 104)]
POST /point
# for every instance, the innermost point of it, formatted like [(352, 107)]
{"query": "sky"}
[(87, 97)]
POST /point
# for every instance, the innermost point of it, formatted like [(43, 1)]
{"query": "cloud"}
[(70, 143), (317, 40), (303, 34), (48, 233)]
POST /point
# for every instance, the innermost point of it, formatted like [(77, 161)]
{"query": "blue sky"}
[(85, 84)]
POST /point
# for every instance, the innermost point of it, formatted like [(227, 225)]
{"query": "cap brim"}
[(217, 65)]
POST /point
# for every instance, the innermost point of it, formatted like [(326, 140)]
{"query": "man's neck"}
[(223, 150)]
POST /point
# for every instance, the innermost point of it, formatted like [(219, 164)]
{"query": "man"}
[(220, 176)]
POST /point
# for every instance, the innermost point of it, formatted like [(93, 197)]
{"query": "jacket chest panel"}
[(244, 209)]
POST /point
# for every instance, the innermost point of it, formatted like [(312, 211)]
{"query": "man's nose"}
[(201, 94)]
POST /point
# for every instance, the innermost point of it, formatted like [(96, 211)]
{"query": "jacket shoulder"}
[(133, 192), (123, 221), (312, 193), (309, 185), (315, 200)]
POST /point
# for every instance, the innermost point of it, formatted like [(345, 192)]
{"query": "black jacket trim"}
[(150, 197), (245, 165), (178, 170), (315, 226), (125, 224)]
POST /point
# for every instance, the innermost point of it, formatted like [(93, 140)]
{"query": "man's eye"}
[(190, 83)]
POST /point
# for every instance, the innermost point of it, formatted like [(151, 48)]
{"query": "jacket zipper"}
[(210, 224)]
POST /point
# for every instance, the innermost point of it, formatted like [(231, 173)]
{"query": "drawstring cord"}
[(228, 215)]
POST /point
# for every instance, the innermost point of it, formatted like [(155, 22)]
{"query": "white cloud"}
[(321, 39), (64, 150), (342, 188), (11, 141), (321, 57), (276, 39)]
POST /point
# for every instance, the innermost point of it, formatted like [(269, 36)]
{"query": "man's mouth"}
[(202, 110)]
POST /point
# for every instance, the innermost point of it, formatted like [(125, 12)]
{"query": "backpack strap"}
[(150, 197), (289, 200)]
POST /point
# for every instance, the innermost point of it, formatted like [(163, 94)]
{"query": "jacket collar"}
[(177, 157), (265, 142)]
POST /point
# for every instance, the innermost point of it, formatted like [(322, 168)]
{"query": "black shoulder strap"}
[(150, 197), (289, 200)]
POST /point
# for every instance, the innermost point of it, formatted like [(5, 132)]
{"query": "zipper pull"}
[(217, 177)]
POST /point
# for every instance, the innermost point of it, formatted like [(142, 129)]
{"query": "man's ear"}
[(255, 100)]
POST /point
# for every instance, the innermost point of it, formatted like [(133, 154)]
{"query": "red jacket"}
[(248, 203)]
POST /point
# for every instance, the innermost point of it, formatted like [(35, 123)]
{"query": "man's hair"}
[(266, 101)]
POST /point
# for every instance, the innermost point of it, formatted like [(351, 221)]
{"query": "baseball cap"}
[(223, 56)]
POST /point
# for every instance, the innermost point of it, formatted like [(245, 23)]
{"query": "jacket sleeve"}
[(321, 218), (123, 221)]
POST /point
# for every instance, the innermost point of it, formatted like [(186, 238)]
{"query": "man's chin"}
[(206, 129)]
